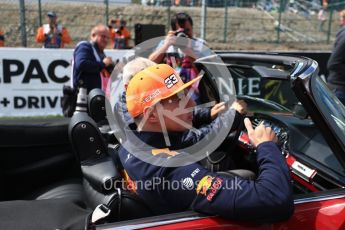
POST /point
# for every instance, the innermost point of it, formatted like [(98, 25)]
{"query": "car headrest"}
[(85, 137), (96, 105)]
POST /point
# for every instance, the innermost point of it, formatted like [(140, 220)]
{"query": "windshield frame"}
[(330, 107), (302, 83)]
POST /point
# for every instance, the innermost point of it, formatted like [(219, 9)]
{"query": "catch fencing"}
[(225, 24)]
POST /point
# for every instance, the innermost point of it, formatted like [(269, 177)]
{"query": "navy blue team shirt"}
[(268, 198), (86, 68)]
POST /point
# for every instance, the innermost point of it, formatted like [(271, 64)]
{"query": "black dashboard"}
[(303, 139)]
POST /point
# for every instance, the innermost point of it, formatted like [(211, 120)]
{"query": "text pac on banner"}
[(31, 80)]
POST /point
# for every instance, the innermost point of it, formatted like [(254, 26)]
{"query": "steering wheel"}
[(231, 139), (221, 158)]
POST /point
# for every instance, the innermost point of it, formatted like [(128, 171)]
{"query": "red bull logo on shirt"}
[(204, 184)]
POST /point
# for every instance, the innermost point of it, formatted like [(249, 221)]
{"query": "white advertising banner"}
[(31, 80)]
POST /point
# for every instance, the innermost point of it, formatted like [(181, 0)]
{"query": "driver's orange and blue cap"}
[(152, 85)]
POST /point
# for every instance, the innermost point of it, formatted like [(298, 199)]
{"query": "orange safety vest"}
[(57, 39), (120, 38), (2, 39)]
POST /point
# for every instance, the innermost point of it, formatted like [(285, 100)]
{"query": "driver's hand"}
[(108, 61), (260, 134), (217, 108), (240, 106)]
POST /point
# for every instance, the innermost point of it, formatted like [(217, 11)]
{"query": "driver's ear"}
[(151, 115)]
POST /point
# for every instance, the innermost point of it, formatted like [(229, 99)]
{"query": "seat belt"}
[(100, 212)]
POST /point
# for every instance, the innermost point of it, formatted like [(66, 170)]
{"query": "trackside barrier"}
[(31, 79)]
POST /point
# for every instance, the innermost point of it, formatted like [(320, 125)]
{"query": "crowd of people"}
[(55, 35)]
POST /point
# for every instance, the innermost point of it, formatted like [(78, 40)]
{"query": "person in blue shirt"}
[(150, 162), (91, 67), (336, 63)]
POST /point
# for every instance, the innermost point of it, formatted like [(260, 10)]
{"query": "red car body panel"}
[(320, 215)]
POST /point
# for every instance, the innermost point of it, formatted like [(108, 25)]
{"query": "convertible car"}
[(62, 173)]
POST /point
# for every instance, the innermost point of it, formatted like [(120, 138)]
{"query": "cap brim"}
[(186, 85)]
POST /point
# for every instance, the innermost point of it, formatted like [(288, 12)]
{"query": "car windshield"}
[(331, 108), (262, 94)]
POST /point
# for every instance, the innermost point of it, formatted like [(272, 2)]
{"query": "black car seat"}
[(69, 189), (37, 153), (73, 188), (97, 103), (101, 179)]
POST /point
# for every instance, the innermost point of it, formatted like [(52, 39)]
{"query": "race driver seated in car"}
[(201, 115), (268, 198)]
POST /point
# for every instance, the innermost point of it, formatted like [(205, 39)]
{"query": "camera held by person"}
[(182, 33)]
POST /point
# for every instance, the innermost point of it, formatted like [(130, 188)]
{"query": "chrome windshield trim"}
[(298, 68), (319, 198), (311, 69)]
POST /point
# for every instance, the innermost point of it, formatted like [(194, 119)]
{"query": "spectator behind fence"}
[(2, 39), (53, 35), (322, 16), (336, 63), (182, 60), (91, 67), (119, 34)]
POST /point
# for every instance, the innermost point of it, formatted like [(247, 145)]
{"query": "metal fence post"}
[(39, 13), (22, 22), (169, 14), (203, 20), (330, 24), (106, 2), (279, 20), (225, 20)]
